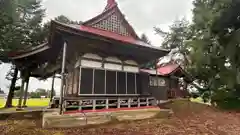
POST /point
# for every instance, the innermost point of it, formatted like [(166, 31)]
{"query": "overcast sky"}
[(143, 15)]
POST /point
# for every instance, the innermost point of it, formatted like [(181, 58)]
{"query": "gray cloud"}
[(142, 14)]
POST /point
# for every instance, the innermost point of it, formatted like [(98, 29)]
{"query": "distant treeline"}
[(36, 94)]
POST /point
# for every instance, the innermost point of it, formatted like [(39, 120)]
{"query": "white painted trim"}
[(91, 64), (111, 66), (92, 56), (131, 69), (131, 62), (113, 59)]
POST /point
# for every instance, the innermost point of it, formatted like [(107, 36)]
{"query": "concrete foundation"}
[(54, 120)]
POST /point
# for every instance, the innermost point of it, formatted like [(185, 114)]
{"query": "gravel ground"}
[(188, 119)]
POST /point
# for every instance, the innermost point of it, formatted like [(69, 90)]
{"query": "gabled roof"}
[(163, 70), (174, 69), (28, 51), (112, 19), (110, 35), (168, 69)]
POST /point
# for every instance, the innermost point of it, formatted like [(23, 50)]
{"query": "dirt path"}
[(189, 119)]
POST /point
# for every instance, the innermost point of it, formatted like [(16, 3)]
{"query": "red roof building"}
[(99, 59)]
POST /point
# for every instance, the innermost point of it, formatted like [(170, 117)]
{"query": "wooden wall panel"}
[(69, 83), (76, 80)]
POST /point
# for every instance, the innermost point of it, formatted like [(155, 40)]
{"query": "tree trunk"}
[(11, 89)]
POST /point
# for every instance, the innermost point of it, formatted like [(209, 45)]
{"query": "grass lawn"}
[(34, 102), (199, 100)]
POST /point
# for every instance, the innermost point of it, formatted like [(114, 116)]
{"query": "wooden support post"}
[(26, 91), (52, 89), (107, 103), (118, 103), (80, 77), (147, 100), (126, 84), (80, 105), (138, 101), (94, 104), (105, 82), (93, 76), (116, 83), (129, 103), (65, 106), (135, 83), (63, 76), (21, 93)]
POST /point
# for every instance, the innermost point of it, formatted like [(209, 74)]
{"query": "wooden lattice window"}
[(113, 24)]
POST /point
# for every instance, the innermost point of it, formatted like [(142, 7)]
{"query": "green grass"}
[(199, 100), (36, 102)]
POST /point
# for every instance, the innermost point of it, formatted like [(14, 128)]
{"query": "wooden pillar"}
[(26, 91), (94, 104), (138, 101), (147, 100), (63, 76), (19, 107), (129, 102), (80, 105), (118, 103), (52, 88), (107, 103)]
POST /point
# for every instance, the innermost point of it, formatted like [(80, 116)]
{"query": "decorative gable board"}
[(112, 23), (112, 20)]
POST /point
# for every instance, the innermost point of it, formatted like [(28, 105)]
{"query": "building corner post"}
[(19, 106), (26, 90), (63, 77), (52, 88)]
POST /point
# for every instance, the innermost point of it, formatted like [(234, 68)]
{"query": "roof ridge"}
[(110, 4)]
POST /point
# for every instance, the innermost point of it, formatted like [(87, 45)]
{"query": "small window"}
[(150, 81), (161, 82), (156, 81)]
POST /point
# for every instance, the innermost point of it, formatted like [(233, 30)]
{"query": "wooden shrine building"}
[(99, 61)]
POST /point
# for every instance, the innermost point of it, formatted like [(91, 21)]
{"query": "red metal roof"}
[(168, 69), (164, 70), (149, 71), (108, 34)]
